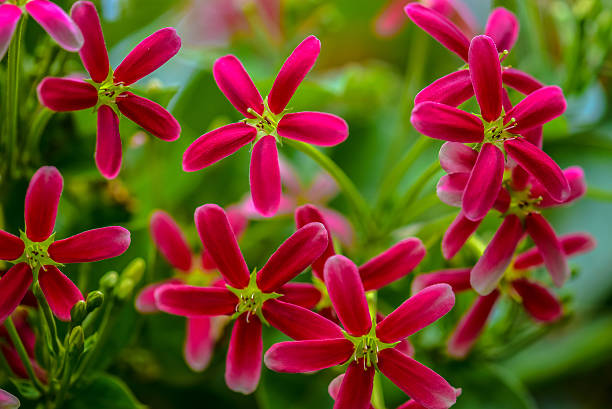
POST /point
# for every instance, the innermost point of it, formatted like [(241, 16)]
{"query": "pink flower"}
[(8, 401), (108, 92), (369, 346), (51, 18), (36, 255), (263, 296), (539, 302), (265, 123)]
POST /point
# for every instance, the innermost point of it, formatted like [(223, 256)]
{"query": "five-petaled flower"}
[(368, 347), (109, 92), (265, 123), (37, 255)]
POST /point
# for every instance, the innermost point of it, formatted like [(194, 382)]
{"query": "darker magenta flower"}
[(108, 92), (265, 124), (36, 254)]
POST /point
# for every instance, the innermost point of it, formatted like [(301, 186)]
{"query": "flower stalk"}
[(12, 97)]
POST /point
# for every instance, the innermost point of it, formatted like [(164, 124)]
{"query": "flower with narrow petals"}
[(36, 254), (367, 347), (539, 302), (49, 15), (108, 92), (8, 401), (264, 296), (265, 124)]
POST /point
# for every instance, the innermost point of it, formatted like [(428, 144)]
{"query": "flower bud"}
[(125, 288), (134, 271), (78, 312), (108, 281), (94, 300), (76, 342)]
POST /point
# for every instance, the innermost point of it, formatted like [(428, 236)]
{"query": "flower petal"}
[(457, 278), (453, 89), (440, 28), (9, 17), (299, 323), (170, 240), (303, 294), (485, 182), (441, 121), (61, 293), (450, 188), (151, 116), (316, 128), (497, 256), (93, 53), (66, 94), (537, 108), (56, 22), (538, 300), (11, 247), (265, 176), (191, 301), (145, 300), (216, 145), (308, 355), (108, 143), (417, 312), (356, 389), (243, 365), (485, 72), (550, 248), (416, 380), (471, 325), (503, 27), (309, 214), (572, 244), (150, 54), (14, 286), (41, 201), (219, 239), (322, 189), (577, 183), (339, 226), (293, 71), (347, 295), (457, 234), (235, 83), (456, 157), (199, 342), (91, 245), (392, 264), (8, 401), (520, 81)]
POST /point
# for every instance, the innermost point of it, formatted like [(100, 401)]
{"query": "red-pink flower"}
[(37, 255), (539, 302), (263, 296), (108, 92), (369, 347), (265, 123), (51, 18)]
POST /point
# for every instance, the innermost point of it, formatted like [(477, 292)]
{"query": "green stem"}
[(599, 194), (420, 207), (378, 399), (21, 351), (65, 383), (12, 95), (47, 315), (41, 118)]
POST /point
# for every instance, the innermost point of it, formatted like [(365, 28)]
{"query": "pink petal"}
[(191, 301), (391, 19), (485, 72), (535, 136), (265, 176), (457, 234), (537, 108), (520, 178), (216, 145), (60, 292), (303, 294), (572, 244), (418, 381), (549, 247), (41, 201), (539, 165), (392, 264), (456, 11), (293, 71), (497, 256), (316, 128), (145, 300), (108, 143), (243, 365), (289, 177), (339, 226), (57, 23), (9, 16), (91, 245), (66, 94), (440, 28), (199, 342), (485, 182), (347, 295), (11, 247), (170, 240), (577, 183), (150, 54), (151, 116), (14, 286), (471, 325), (441, 121), (235, 83), (93, 53), (450, 188), (502, 204), (417, 312), (457, 278), (8, 401), (453, 89), (322, 189), (356, 389), (299, 323), (503, 28), (237, 219), (218, 238), (520, 81), (456, 157), (538, 300), (308, 355), (309, 214)]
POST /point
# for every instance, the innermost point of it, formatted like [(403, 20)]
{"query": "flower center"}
[(367, 347), (265, 123), (36, 254), (496, 132), (108, 90), (251, 299), (521, 201)]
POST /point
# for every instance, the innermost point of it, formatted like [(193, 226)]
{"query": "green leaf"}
[(105, 391), (25, 388)]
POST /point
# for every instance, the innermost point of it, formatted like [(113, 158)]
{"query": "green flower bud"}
[(125, 288), (134, 271), (94, 300), (109, 281), (78, 312), (76, 342)]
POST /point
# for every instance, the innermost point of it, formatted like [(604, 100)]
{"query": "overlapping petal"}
[(93, 52), (91, 245), (450, 188), (538, 300), (66, 94), (151, 116), (457, 234), (61, 293), (457, 278), (108, 143), (11, 247), (484, 183), (452, 89), (264, 176), (237, 86), (485, 72), (145, 300), (503, 27), (549, 247), (199, 342), (444, 122), (317, 128), (309, 214), (303, 294), (572, 244), (243, 366), (308, 355), (356, 389), (56, 22), (14, 285), (170, 240), (192, 301), (41, 201), (537, 108), (456, 157), (9, 17), (299, 323), (520, 81)]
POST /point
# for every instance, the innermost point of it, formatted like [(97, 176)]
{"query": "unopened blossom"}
[(109, 92), (368, 347), (539, 302), (8, 401), (265, 124), (37, 255), (264, 296), (49, 15)]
